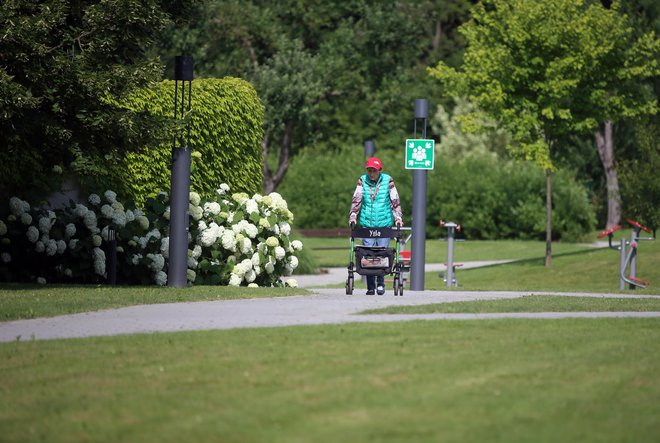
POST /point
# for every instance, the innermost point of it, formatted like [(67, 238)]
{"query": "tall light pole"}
[(369, 148), (180, 178), (419, 207)]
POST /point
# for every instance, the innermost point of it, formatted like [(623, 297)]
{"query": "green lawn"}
[(507, 381), (29, 301), (436, 250), (588, 271), (575, 267), (531, 303)]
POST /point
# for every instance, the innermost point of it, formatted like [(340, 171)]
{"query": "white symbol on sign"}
[(411, 162), (419, 154)]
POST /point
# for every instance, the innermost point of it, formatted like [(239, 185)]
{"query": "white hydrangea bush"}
[(241, 240), (234, 239)]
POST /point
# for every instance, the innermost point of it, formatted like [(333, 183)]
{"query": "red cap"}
[(374, 162)]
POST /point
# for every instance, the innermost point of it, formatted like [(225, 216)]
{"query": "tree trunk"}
[(437, 36), (271, 181), (548, 217), (605, 146)]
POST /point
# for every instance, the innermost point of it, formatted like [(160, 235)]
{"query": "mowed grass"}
[(19, 301), (334, 252), (575, 267), (508, 381), (587, 271), (530, 303)]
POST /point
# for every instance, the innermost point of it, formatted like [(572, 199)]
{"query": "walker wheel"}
[(349, 285)]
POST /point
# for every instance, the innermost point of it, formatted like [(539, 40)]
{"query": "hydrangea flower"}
[(51, 247), (18, 206), (26, 218), (211, 208), (234, 280), (194, 198), (70, 230), (160, 278), (110, 196), (251, 206), (94, 199), (96, 240), (3, 228), (107, 211), (32, 234), (292, 283), (165, 247), (272, 241), (45, 224), (61, 246), (6, 257), (144, 222), (98, 257)]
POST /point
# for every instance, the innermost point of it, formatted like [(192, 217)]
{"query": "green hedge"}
[(490, 198), (225, 139)]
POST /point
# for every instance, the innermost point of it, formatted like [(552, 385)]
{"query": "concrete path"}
[(326, 306), (333, 276)]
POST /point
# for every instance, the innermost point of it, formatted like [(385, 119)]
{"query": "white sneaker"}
[(380, 290)]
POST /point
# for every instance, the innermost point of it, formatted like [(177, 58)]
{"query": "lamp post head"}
[(183, 68), (369, 148), (421, 108)]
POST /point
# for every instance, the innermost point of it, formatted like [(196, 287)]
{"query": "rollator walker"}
[(375, 260)]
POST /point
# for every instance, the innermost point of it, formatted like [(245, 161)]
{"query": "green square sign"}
[(420, 154)]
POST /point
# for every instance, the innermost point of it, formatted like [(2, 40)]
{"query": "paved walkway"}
[(333, 276), (326, 306)]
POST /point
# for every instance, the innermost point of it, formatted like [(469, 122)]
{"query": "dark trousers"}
[(375, 280)]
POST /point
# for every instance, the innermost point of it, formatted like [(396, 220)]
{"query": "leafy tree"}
[(459, 140), (545, 69), (59, 60), (331, 73), (640, 185)]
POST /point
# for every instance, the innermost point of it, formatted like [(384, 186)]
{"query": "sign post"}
[(419, 158), (420, 154)]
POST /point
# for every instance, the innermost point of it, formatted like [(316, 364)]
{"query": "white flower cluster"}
[(71, 238), (233, 239), (249, 234)]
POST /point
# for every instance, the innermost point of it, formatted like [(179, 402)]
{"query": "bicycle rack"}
[(628, 257)]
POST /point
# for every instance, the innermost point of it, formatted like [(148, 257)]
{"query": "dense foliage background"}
[(330, 74)]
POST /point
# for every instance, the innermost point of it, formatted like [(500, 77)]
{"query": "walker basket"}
[(374, 260)]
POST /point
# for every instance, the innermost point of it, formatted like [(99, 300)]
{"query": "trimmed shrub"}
[(490, 198), (225, 140)]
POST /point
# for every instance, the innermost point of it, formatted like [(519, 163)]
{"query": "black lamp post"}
[(180, 179), (369, 148)]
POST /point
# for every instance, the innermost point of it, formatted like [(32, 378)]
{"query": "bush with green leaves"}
[(226, 121), (234, 239), (490, 198)]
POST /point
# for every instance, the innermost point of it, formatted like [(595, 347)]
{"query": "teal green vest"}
[(376, 210)]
